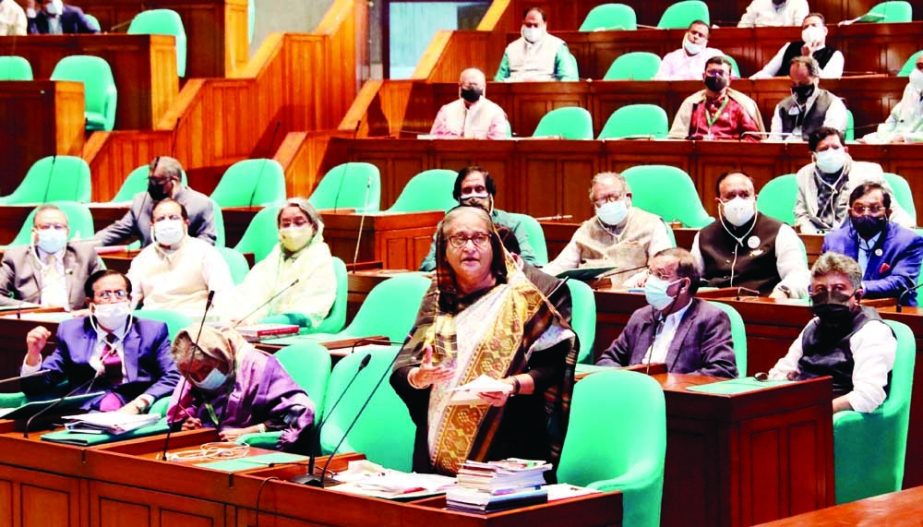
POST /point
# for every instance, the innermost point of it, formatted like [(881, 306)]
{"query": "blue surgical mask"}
[(612, 212), (655, 292), (52, 240), (831, 160), (212, 382)]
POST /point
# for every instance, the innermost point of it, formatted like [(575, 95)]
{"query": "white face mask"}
[(812, 35), (112, 316), (612, 212), (212, 382), (916, 79), (169, 232), (738, 211), (692, 49), (55, 7), (51, 240), (532, 34), (831, 160)]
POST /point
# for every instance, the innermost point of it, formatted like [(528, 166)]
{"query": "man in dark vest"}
[(747, 249), (845, 340), (809, 108), (813, 43)]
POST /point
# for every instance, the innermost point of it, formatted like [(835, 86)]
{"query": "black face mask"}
[(157, 192), (832, 308), (803, 91), (868, 226), (716, 84), (471, 94), (778, 2)]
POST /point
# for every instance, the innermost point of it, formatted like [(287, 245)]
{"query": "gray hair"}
[(305, 206), (43, 208), (602, 176), (170, 166), (830, 263), (810, 63)]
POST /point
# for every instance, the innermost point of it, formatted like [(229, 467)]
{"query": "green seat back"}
[(583, 318), (349, 186), (635, 120), (910, 65), (735, 69), (15, 69), (681, 204), (536, 236), (237, 264), (308, 364), (850, 133), (218, 220), (610, 16), (892, 12), (175, 321), (137, 182), (569, 123), (261, 235), (616, 440), (870, 449), (93, 22), (777, 198), (920, 276), (384, 432), (163, 22), (633, 66), (53, 178), (681, 14), (99, 89), (428, 190), (336, 319), (79, 219), (391, 308), (738, 337), (251, 183), (902, 194)]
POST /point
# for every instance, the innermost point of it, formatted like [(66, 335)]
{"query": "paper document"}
[(468, 393), (108, 422), (368, 479)]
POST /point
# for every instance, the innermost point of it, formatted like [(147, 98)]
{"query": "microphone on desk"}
[(747, 290), (266, 160), (621, 271), (368, 188), (195, 347), (88, 385), (908, 290), (21, 377), (54, 159), (266, 303)]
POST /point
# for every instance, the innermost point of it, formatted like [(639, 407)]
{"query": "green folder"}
[(82, 439), (734, 386), (254, 462)]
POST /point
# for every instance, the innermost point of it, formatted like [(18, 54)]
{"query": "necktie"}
[(112, 363)]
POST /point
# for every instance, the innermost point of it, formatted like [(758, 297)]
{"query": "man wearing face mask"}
[(767, 13), (56, 18), (300, 254), (824, 186), (889, 255), (129, 358), (536, 55), (471, 116), (177, 271), (809, 107), (813, 44), (905, 123), (845, 340), (50, 271), (687, 334), (475, 186), (747, 249), (164, 181), (688, 62), (619, 235), (717, 112)]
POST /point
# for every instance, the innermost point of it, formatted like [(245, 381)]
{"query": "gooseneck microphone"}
[(54, 159), (266, 160), (908, 290), (266, 303), (88, 385)]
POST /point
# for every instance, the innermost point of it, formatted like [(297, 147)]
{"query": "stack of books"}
[(498, 485), (258, 332)]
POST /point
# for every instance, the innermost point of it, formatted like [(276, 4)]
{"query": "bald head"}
[(735, 184), (472, 80)]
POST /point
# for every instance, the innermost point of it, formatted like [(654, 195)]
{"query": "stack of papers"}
[(256, 332), (468, 393), (368, 479), (114, 423), (486, 487)]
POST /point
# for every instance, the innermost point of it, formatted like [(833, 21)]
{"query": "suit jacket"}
[(72, 21), (148, 364), (136, 223), (21, 274), (702, 343), (894, 264)]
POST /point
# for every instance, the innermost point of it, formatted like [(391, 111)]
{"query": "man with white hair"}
[(471, 116)]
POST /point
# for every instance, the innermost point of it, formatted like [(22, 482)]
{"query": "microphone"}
[(174, 136), (368, 188), (621, 271), (120, 26), (26, 376), (89, 388), (900, 299), (195, 347), (259, 176), (336, 197), (54, 159), (264, 304)]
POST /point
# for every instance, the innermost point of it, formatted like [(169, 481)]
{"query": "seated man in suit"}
[(688, 334), (747, 249), (48, 272), (809, 108), (845, 340), (889, 255), (164, 181), (56, 18), (127, 358)]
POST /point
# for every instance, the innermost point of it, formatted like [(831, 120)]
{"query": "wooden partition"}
[(294, 83), (39, 119), (144, 68), (216, 30)]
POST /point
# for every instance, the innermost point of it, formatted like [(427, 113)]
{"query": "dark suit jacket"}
[(72, 21), (21, 274), (702, 343), (892, 272), (136, 223), (149, 366)]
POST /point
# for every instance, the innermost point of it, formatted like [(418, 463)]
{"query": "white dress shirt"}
[(905, 120), (666, 330), (865, 248), (680, 66), (834, 118), (873, 349), (833, 69), (763, 13)]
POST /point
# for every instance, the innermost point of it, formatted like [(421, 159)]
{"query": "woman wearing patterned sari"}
[(482, 316)]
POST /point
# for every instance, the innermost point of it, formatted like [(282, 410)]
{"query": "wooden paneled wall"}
[(294, 83)]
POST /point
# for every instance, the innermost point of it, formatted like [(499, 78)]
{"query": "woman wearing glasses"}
[(483, 317), (107, 351)]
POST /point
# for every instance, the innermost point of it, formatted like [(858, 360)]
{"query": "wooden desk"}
[(144, 67), (897, 508), (399, 240), (39, 119)]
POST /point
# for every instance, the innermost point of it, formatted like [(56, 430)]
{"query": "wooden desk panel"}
[(399, 241), (39, 119), (144, 68), (896, 508)]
